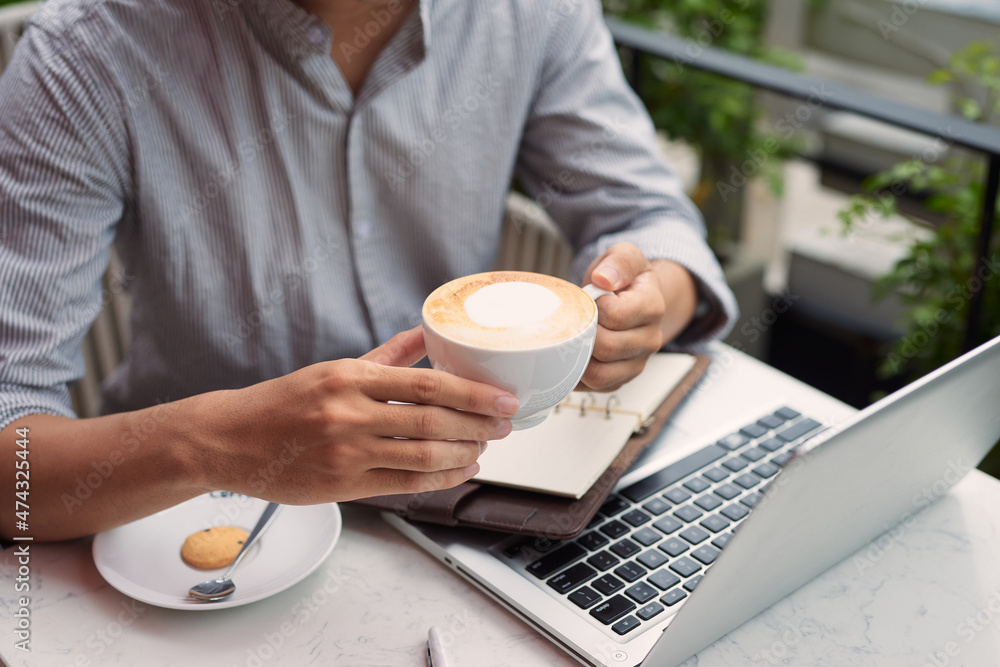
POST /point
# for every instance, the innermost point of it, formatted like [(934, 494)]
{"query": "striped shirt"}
[(267, 217)]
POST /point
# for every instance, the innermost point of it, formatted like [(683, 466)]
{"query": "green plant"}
[(935, 278), (718, 117)]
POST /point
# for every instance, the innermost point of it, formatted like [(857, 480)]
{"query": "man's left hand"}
[(654, 301)]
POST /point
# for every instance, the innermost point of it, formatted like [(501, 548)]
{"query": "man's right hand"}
[(328, 432), (324, 433)]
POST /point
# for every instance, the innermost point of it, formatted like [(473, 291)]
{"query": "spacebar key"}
[(674, 472)]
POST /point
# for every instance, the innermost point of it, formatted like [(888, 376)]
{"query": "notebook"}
[(583, 434), (478, 504)]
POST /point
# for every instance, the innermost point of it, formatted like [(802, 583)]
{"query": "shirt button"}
[(316, 35), (363, 229)]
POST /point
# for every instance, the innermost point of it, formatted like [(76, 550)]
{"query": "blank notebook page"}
[(566, 453)]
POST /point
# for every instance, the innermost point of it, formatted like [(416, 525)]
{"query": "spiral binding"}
[(589, 403)]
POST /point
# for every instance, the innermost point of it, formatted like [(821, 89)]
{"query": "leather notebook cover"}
[(477, 505)]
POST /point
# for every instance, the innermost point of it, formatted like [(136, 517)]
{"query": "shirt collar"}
[(299, 34), (290, 29), (425, 21)]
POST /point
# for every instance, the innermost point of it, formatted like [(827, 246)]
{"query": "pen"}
[(436, 654)]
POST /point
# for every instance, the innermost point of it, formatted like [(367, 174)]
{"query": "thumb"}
[(404, 349), (619, 267)]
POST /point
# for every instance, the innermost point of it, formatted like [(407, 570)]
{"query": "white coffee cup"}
[(530, 334)]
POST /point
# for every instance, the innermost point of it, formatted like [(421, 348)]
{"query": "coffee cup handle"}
[(593, 291)]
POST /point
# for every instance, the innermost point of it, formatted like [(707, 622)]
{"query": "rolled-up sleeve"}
[(589, 156), (62, 184)]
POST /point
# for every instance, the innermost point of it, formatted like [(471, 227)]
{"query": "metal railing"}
[(978, 137)]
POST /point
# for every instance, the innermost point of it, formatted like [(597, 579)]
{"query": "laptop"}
[(706, 532)]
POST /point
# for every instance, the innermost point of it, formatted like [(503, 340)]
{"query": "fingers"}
[(403, 481), (620, 355), (432, 387), (630, 328), (639, 305), (618, 267), (608, 376), (425, 386), (680, 296), (425, 455), (404, 349), (366, 427), (415, 466), (613, 345), (428, 422)]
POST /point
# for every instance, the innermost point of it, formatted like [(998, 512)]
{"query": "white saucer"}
[(143, 559)]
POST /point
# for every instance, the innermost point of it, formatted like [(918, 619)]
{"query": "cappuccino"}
[(509, 310)]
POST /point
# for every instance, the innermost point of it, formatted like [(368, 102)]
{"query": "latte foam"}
[(514, 304), (508, 310)]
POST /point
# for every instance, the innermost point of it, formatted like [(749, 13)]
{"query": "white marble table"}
[(928, 594)]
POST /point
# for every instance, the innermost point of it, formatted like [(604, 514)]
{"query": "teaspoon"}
[(221, 588)]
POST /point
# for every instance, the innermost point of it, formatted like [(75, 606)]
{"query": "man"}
[(285, 184)]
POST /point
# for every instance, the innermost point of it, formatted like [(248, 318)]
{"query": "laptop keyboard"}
[(651, 543)]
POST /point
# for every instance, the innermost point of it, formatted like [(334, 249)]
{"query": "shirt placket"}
[(366, 233), (362, 229)]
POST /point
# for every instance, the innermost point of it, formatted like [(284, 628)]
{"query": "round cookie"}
[(213, 548)]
